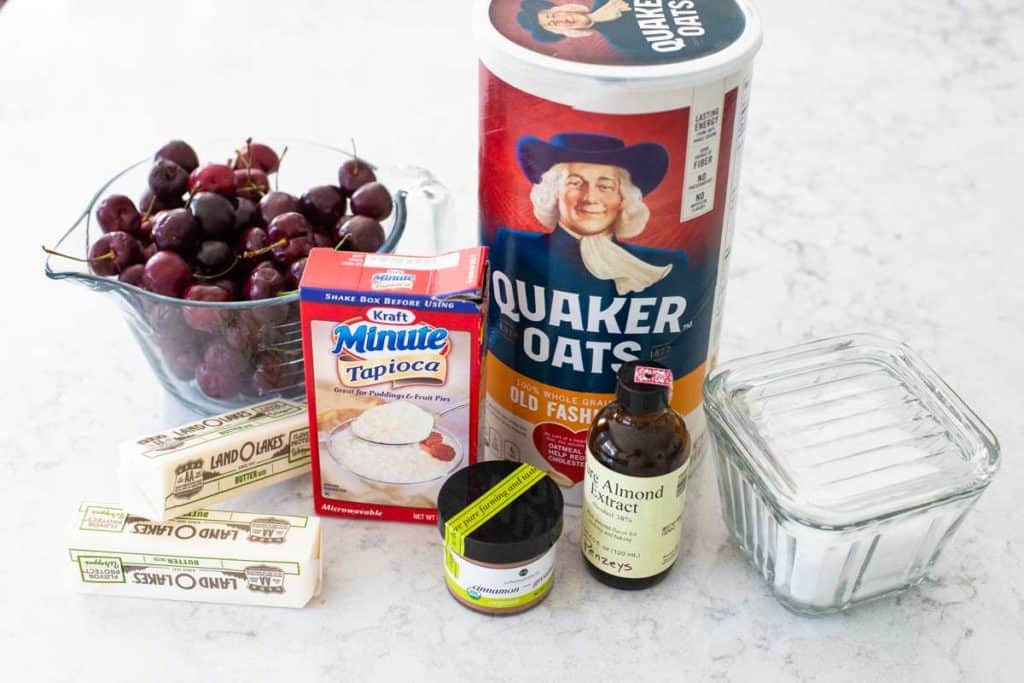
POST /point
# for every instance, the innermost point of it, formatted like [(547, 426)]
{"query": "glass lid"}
[(845, 431)]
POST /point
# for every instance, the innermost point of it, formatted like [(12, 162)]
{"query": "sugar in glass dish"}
[(844, 467), (268, 330)]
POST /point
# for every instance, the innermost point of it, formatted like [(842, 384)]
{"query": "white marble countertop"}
[(881, 192)]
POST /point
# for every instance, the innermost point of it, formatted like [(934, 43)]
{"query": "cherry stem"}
[(104, 257), (263, 250), (149, 209), (220, 274), (355, 156), (286, 351), (253, 187), (280, 160), (286, 293), (247, 157), (337, 247)]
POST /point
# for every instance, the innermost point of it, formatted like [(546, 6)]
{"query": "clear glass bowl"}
[(267, 332), (844, 466)]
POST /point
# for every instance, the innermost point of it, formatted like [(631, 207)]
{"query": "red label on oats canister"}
[(610, 139)]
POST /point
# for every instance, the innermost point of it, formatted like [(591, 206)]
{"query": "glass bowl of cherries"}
[(205, 261)]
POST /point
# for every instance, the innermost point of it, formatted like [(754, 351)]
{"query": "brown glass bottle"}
[(638, 452)]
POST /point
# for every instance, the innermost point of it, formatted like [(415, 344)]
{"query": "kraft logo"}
[(391, 316), (392, 279)]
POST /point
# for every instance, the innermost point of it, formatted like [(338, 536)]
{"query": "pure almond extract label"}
[(632, 525)]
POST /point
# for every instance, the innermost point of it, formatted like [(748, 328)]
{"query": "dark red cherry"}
[(253, 243), (117, 213), (373, 200), (275, 203), (166, 273), (251, 183), (295, 272), (275, 371), (181, 359), (113, 252), (360, 233), (214, 213), (322, 238), (176, 230), (132, 275), (167, 179), (150, 204), (212, 178), (180, 153), (258, 156), (353, 174), (214, 257), (323, 205), (247, 214), (290, 234), (205, 318), (228, 285), (222, 371), (264, 282), (247, 333)]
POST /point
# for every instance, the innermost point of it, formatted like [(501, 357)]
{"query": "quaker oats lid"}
[(548, 46)]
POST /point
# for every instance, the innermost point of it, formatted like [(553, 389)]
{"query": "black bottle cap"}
[(524, 529), (644, 386)]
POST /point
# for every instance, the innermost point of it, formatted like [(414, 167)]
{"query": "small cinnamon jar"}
[(500, 521)]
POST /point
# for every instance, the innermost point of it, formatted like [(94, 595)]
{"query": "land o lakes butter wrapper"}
[(172, 473), (221, 556)]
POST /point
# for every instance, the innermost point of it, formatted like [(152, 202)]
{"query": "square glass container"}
[(844, 466)]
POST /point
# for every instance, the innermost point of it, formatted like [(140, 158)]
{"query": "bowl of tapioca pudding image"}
[(392, 454)]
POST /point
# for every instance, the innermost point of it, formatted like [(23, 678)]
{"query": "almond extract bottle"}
[(637, 465)]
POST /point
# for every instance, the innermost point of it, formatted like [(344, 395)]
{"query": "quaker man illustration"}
[(588, 191), (548, 22)]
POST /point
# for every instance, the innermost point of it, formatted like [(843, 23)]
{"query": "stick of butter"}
[(206, 556), (190, 467)]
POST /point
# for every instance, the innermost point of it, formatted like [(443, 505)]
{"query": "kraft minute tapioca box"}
[(393, 347)]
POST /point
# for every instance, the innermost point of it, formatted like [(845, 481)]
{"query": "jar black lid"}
[(524, 529), (644, 386)]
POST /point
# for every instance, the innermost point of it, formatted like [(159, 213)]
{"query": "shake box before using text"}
[(393, 347)]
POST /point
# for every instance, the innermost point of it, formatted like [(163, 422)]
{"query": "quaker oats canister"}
[(610, 141)]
